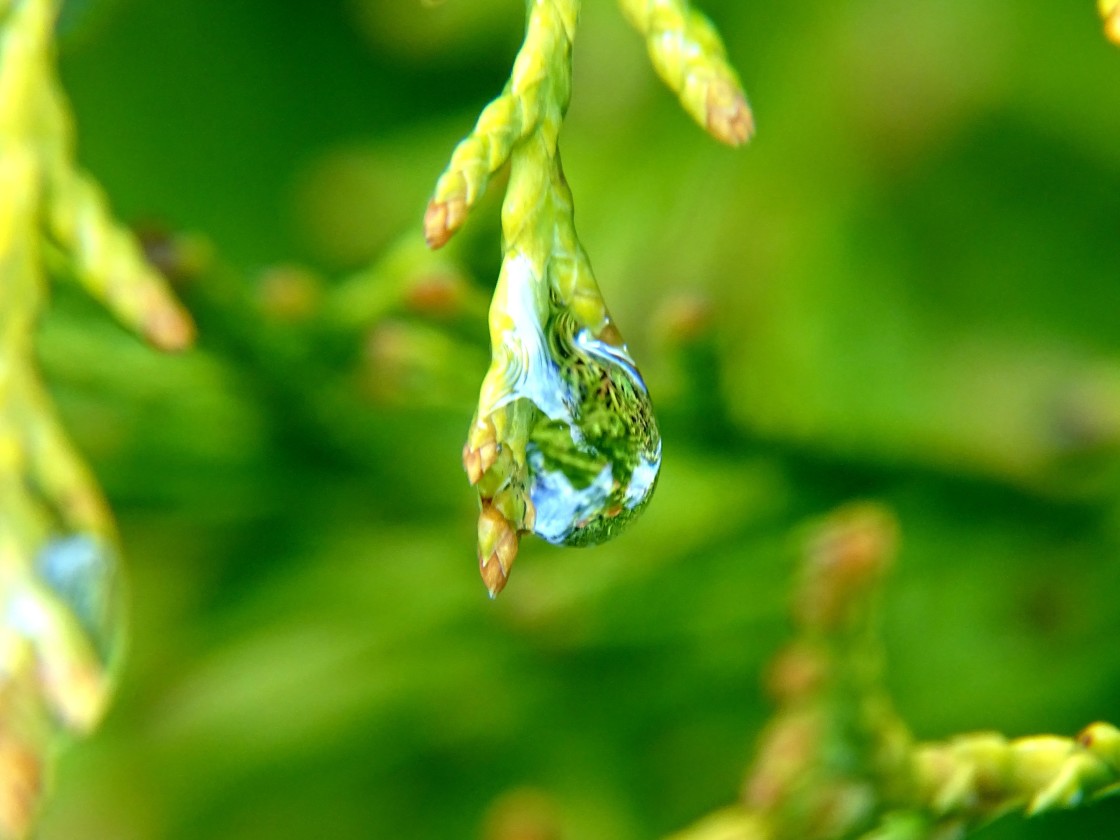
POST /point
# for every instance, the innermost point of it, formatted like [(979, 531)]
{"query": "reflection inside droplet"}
[(593, 463), (82, 571)]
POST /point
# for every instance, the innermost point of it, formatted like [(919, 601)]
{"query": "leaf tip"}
[(170, 328), (729, 117), (497, 548), (442, 219)]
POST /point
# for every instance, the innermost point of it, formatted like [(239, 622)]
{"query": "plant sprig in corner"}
[(60, 588), (836, 761)]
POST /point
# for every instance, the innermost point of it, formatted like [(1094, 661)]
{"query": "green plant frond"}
[(688, 53), (61, 594)]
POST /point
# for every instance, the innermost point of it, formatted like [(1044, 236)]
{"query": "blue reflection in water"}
[(594, 467), (82, 571)]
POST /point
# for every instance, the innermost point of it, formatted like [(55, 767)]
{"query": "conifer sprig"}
[(59, 577), (557, 357), (836, 761), (544, 270), (530, 99), (688, 54)]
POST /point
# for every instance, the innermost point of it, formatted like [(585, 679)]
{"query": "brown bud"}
[(481, 449), (439, 294), (169, 327), (478, 461), (472, 463), (729, 116), (442, 219), (497, 548)]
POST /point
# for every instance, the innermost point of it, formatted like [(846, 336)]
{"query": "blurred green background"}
[(906, 288)]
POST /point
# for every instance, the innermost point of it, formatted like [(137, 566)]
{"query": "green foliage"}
[(904, 289), (837, 762)]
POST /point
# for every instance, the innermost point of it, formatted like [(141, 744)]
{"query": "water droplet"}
[(593, 462), (564, 444), (83, 573)]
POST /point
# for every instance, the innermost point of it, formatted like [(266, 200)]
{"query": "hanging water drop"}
[(593, 469), (565, 444), (83, 572)]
